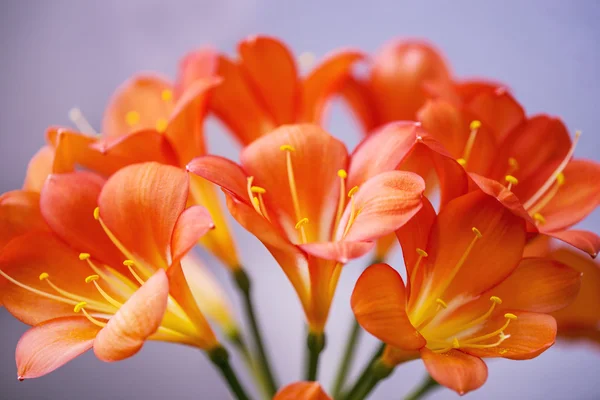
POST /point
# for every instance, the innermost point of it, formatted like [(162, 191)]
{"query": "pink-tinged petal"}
[(381, 206), (498, 110), (379, 305), (192, 224), (455, 370), (136, 320), (271, 70), (140, 206), (52, 344), (138, 104), (67, 203), (222, 172), (302, 390), (324, 81), (342, 252), (38, 169), (583, 240), (19, 214)]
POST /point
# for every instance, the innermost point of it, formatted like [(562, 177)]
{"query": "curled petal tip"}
[(20, 378)]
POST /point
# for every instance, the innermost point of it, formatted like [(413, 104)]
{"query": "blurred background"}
[(59, 54)]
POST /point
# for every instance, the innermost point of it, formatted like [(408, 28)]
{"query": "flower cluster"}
[(95, 249)]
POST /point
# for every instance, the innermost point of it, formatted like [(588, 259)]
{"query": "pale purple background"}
[(57, 54)]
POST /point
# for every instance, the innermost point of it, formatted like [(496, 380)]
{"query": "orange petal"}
[(530, 335), (498, 110), (379, 304), (140, 206), (358, 96), (52, 344), (222, 172), (271, 70), (19, 213), (324, 81), (342, 252), (398, 76), (138, 104), (67, 203), (192, 224), (455, 370), (316, 159), (73, 149), (386, 202), (38, 169), (194, 66), (302, 390), (24, 259), (468, 89), (583, 240), (136, 320)]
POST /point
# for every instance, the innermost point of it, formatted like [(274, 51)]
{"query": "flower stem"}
[(315, 343), (243, 283), (365, 376), (349, 353), (236, 339), (377, 372), (426, 386), (220, 357)]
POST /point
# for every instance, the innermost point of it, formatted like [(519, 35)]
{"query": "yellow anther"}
[(560, 178), (441, 303), (475, 124), (422, 252), (128, 263), (512, 162), (97, 213), (353, 191), (287, 147), (92, 278), (539, 218), (79, 306), (301, 223), (44, 276), (477, 232), (503, 351), (462, 161), (256, 203), (342, 174), (511, 179), (132, 118), (455, 343), (258, 189), (510, 316), (161, 125), (84, 256), (496, 299), (166, 95)]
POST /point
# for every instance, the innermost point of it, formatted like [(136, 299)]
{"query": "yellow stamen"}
[(441, 302), (132, 118), (547, 198), (342, 174), (353, 213), (509, 317), (97, 213), (511, 181), (166, 95), (257, 189), (422, 253), (300, 225), (82, 124), (353, 191), (455, 343), (36, 291), (80, 307), (495, 301), (539, 219), (92, 278), (291, 179), (84, 256), (44, 276), (287, 147), (161, 125), (129, 264), (66, 294), (474, 127), (106, 296)]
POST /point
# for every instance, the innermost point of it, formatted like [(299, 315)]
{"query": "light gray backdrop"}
[(57, 54)]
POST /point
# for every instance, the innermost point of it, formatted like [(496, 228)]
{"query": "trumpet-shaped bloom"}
[(490, 136), (107, 275), (262, 89), (292, 193), (469, 295), (302, 390)]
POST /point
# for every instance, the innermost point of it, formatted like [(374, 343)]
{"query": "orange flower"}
[(262, 89), (302, 390), (532, 157), (108, 276), (469, 295), (292, 192)]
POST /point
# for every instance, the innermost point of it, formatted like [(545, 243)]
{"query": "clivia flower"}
[(262, 89), (107, 274), (469, 293), (291, 191), (302, 390)]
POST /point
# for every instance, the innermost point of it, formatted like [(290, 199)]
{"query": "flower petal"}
[(327, 78), (19, 214), (455, 370), (583, 240), (379, 305), (382, 205), (38, 169), (140, 316), (357, 94), (342, 252), (498, 110), (52, 344), (316, 160), (302, 390), (271, 70), (222, 172), (196, 65), (139, 103), (140, 205), (192, 224)]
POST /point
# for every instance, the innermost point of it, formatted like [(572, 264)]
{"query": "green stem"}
[(243, 282), (378, 371), (349, 353), (236, 339), (426, 386), (365, 375), (315, 343), (220, 358)]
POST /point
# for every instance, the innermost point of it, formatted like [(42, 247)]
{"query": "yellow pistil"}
[(511, 180), (474, 127), (300, 225), (161, 125), (289, 149), (166, 95), (132, 118), (342, 174), (353, 213), (129, 264), (79, 307)]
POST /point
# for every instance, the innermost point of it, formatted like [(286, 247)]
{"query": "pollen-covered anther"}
[(441, 302), (43, 276), (510, 316), (300, 225), (475, 124), (92, 278), (496, 300), (455, 343), (84, 256), (79, 306), (422, 252), (287, 147), (539, 219), (166, 95), (161, 125), (97, 213), (462, 161), (257, 189), (132, 118), (342, 174), (128, 263), (477, 232), (352, 191), (511, 180)]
